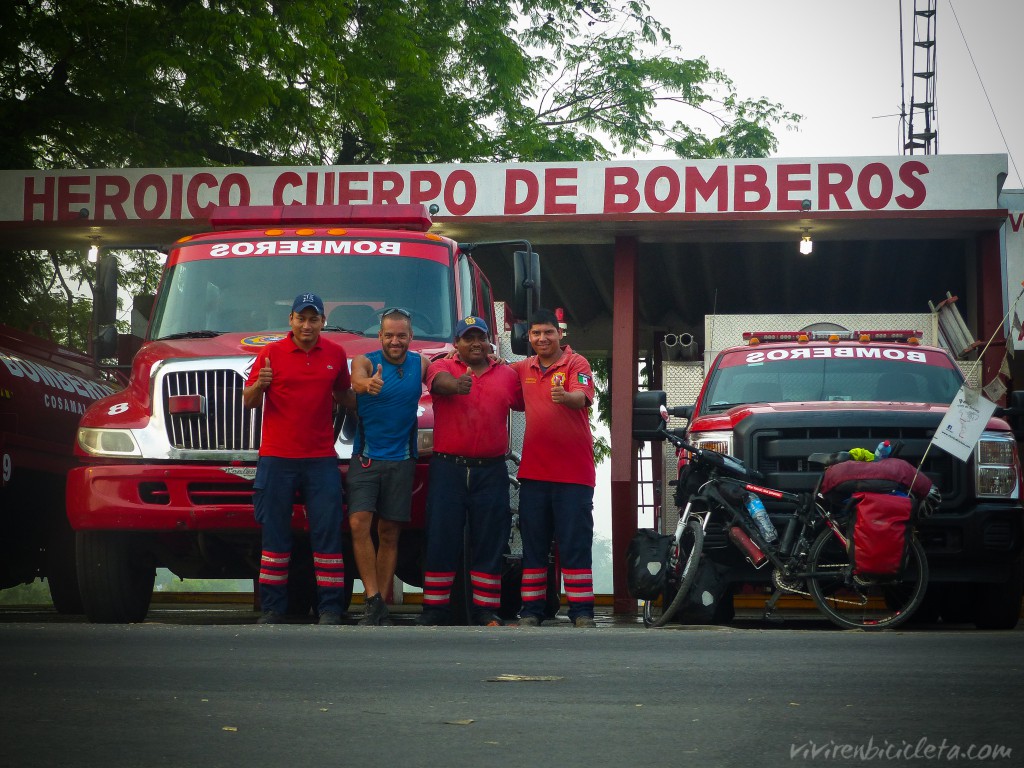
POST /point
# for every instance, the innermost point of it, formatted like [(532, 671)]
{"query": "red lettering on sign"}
[(787, 184), (717, 184), (751, 180), (868, 173), (347, 195), (909, 172), (176, 183), (1015, 225), (554, 189), (516, 178), (111, 192), (200, 180), (465, 180), (282, 184), (837, 189), (234, 182), (620, 190), (312, 187), (146, 183), (387, 187), (424, 186), (68, 199), (33, 198), (667, 203)]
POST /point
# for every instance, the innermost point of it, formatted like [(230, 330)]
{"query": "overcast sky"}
[(838, 64)]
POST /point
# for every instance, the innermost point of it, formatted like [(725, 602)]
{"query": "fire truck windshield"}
[(209, 296), (738, 379)]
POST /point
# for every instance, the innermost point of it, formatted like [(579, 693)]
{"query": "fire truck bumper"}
[(161, 497)]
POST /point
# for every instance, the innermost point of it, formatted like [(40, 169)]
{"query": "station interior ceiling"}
[(679, 282)]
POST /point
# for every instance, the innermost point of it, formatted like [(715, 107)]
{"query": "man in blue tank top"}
[(388, 384)]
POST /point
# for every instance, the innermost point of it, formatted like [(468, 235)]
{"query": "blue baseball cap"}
[(304, 300), (468, 324)]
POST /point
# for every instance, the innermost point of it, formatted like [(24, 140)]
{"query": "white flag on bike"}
[(961, 427)]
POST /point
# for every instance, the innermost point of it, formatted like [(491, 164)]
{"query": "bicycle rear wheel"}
[(679, 582), (855, 603)]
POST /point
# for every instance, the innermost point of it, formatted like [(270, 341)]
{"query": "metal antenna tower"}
[(923, 136)]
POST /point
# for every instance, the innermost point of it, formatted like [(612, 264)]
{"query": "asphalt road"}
[(225, 692)]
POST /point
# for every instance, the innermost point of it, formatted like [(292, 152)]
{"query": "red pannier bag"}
[(881, 476), (880, 534)]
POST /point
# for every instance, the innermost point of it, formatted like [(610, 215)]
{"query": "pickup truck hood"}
[(727, 420)]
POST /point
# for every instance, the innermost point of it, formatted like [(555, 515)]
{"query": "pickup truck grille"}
[(224, 425), (777, 445)]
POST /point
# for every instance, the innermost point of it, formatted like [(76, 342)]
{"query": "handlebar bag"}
[(882, 529), (647, 563), (881, 476)]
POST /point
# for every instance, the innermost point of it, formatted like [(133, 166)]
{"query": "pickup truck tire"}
[(114, 575), (997, 606)]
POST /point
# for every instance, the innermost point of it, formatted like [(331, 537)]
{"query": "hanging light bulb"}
[(94, 251), (806, 244)]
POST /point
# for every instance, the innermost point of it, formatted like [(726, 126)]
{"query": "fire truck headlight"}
[(425, 442), (108, 442), (995, 462)]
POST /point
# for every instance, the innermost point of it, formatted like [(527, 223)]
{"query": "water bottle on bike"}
[(759, 514)]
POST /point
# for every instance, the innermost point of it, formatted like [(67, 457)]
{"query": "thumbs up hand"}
[(265, 375), (376, 382), (558, 393), (465, 383)]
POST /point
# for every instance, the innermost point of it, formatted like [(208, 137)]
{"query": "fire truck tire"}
[(114, 576), (61, 568), (998, 606)]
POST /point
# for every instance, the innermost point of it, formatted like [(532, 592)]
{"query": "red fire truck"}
[(44, 390), (167, 464)]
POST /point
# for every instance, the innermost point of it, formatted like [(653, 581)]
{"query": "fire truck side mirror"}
[(1014, 414), (520, 339), (104, 307), (526, 296)]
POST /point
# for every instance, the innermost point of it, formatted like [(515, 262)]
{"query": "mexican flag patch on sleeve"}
[(583, 379)]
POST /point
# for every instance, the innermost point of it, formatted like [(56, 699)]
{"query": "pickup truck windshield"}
[(253, 295), (932, 378)]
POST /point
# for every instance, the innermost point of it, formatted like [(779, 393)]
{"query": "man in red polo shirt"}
[(298, 379), (472, 396), (556, 475)]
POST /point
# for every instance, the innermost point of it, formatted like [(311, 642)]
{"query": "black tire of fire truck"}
[(61, 566), (115, 576)]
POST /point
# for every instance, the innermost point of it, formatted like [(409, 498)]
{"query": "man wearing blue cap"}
[(298, 379), (468, 477)]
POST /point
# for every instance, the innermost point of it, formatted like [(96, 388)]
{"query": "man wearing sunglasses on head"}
[(388, 384)]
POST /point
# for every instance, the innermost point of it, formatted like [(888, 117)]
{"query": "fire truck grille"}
[(221, 423)]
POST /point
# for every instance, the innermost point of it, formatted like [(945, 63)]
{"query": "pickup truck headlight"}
[(996, 466), (715, 441), (108, 442)]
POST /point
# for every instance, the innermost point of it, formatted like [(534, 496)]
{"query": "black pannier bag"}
[(647, 563), (880, 534)]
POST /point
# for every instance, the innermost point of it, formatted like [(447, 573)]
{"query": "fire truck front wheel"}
[(115, 575)]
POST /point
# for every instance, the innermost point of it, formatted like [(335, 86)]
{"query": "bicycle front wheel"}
[(678, 583), (857, 603)]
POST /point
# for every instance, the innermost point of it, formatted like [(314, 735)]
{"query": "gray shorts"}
[(384, 488)]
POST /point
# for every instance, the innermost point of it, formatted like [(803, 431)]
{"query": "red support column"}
[(991, 307), (623, 385)]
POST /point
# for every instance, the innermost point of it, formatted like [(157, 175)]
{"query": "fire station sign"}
[(630, 189)]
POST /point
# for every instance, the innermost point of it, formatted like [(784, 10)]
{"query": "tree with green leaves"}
[(144, 83)]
